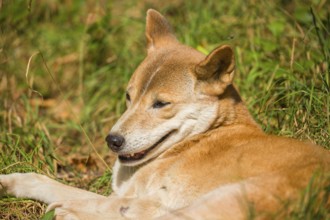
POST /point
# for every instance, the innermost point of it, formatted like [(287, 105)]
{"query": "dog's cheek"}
[(167, 113)]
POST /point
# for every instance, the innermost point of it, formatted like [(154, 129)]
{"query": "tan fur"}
[(210, 159)]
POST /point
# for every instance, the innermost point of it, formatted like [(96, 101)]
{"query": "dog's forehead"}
[(166, 70)]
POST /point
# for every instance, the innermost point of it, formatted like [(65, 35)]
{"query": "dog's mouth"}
[(139, 155)]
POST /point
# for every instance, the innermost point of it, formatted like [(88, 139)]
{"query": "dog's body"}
[(187, 146)]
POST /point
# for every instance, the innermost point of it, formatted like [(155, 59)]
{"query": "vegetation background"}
[(64, 66)]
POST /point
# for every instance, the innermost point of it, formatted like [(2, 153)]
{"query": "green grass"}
[(56, 109)]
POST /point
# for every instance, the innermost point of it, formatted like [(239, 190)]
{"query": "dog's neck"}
[(232, 110), (120, 175)]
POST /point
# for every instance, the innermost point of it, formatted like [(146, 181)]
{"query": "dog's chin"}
[(137, 158)]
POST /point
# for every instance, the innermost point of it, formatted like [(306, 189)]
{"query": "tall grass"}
[(91, 48)]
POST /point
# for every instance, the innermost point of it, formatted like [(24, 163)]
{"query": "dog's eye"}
[(128, 98), (160, 104)]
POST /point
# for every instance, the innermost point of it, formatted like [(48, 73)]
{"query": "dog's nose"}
[(115, 141)]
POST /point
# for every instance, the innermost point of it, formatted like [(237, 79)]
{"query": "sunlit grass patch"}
[(91, 49), (13, 208)]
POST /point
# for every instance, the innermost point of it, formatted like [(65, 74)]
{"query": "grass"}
[(64, 66)]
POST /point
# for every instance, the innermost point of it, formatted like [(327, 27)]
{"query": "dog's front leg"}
[(108, 208), (42, 188)]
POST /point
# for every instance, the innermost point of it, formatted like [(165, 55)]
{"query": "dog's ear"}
[(216, 71), (158, 31)]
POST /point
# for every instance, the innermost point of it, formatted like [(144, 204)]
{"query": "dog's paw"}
[(9, 183), (64, 214), (19, 184), (65, 211), (5, 183), (84, 210)]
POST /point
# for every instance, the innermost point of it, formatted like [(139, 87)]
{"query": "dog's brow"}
[(147, 84)]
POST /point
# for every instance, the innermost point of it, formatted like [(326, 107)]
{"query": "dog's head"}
[(172, 95)]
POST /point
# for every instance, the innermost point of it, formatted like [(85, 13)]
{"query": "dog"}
[(187, 146)]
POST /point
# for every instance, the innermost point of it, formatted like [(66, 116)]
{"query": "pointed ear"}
[(158, 31), (217, 69)]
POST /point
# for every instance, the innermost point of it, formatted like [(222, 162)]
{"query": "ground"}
[(64, 66)]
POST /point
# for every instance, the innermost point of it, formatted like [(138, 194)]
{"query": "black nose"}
[(115, 141)]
